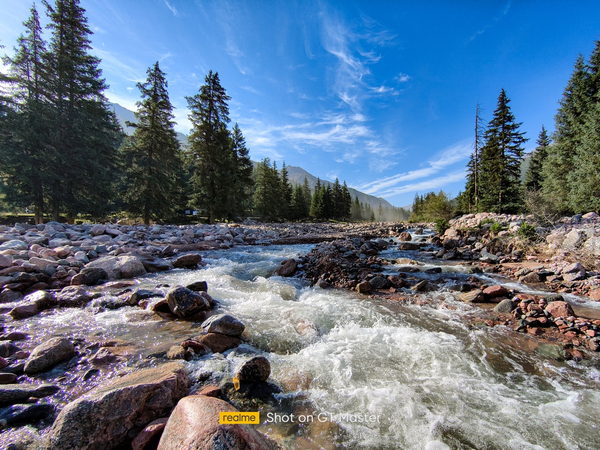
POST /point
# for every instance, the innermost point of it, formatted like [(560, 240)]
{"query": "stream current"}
[(432, 380)]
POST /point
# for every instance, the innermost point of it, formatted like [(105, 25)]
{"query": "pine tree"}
[(307, 197), (501, 157), (241, 190), (317, 205), (285, 200), (268, 191), (213, 172), (569, 122), (297, 210), (356, 211), (23, 154), (346, 203), (86, 134), (534, 177), (153, 161)]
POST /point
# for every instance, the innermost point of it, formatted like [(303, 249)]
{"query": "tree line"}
[(63, 152), (564, 171)]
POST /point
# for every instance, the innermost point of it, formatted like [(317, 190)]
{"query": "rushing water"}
[(420, 375)]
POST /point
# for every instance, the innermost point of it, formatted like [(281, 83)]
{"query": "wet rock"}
[(197, 347), (287, 268), (409, 246), (380, 282), (489, 257), (142, 294), (7, 378), (102, 357), (184, 302), (364, 287), (8, 295), (103, 417), (559, 309), (19, 414), (210, 391), (49, 354), (254, 370), (189, 260), (195, 424), (89, 276), (553, 351), (73, 296), (420, 286), (180, 352), (594, 294), (219, 343), (474, 296), (150, 435), (495, 291), (157, 265), (593, 345), (223, 324), (119, 266), (198, 286), (7, 349), (530, 278), (323, 284), (15, 393), (20, 312), (405, 236)]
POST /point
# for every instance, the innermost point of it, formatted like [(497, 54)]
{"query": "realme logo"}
[(240, 418)]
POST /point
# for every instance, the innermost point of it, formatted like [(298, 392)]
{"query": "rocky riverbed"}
[(97, 268)]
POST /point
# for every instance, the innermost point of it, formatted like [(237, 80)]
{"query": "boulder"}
[(254, 370), (409, 246), (380, 282), (24, 311), (7, 349), (8, 295), (14, 244), (592, 246), (119, 266), (15, 393), (506, 306), (184, 302), (194, 424), (102, 418), (142, 294), (150, 435), (20, 414), (49, 354), (73, 296), (531, 278), (420, 286), (219, 343), (157, 265), (594, 294), (97, 230), (187, 260), (574, 239), (495, 291), (198, 286), (405, 236), (287, 268), (89, 276), (364, 287), (559, 309), (474, 296), (5, 262), (223, 324)]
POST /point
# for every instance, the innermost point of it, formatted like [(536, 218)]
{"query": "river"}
[(364, 373)]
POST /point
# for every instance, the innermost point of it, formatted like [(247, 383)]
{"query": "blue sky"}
[(381, 94)]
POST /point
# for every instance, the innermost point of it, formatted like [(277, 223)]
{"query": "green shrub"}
[(441, 225), (496, 228), (527, 231)]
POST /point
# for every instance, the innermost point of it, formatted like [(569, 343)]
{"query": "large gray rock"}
[(189, 260), (5, 262), (223, 324), (73, 296), (119, 266), (184, 302), (194, 424), (103, 418), (505, 306), (89, 276), (14, 244), (574, 239), (287, 268), (592, 246), (48, 354), (97, 230)]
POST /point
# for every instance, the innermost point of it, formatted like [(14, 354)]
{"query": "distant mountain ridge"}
[(296, 174)]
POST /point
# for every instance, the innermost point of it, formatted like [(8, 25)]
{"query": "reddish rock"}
[(219, 343), (495, 291), (559, 309), (534, 331), (364, 287), (254, 370), (188, 260), (405, 236), (150, 436), (530, 278), (103, 417), (532, 307), (198, 347), (23, 311), (594, 294), (49, 354), (287, 268), (7, 378), (194, 424), (210, 391), (590, 333), (474, 296), (593, 345)]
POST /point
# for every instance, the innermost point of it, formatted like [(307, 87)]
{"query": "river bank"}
[(127, 324)]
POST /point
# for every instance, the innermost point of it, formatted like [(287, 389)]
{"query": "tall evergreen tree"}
[(534, 177), (501, 157), (24, 153), (213, 171), (569, 122), (239, 202), (86, 134), (268, 191), (316, 204), (285, 201), (153, 161), (307, 197), (346, 203)]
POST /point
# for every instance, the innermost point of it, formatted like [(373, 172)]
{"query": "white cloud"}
[(172, 8), (402, 78), (118, 69), (427, 185)]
